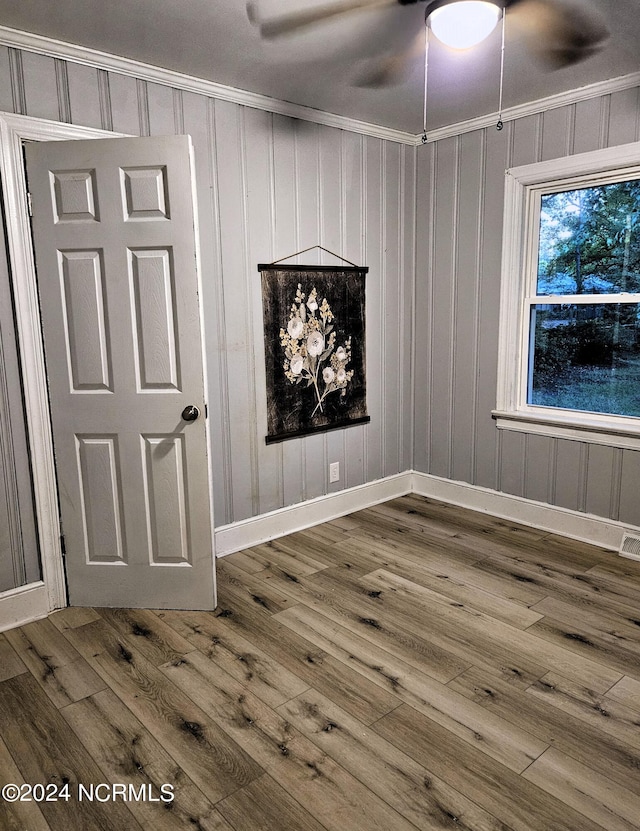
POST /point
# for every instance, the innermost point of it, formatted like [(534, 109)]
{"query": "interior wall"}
[(460, 210), (428, 223), (267, 186), (19, 554)]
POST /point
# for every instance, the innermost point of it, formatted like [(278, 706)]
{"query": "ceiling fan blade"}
[(393, 68), (289, 23), (560, 32)]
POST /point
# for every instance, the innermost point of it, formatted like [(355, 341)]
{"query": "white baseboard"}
[(22, 605), (605, 533), (588, 528), (260, 529)]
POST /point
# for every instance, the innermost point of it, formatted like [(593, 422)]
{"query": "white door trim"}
[(14, 129)]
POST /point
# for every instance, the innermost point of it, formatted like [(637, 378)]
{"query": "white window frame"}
[(524, 187)]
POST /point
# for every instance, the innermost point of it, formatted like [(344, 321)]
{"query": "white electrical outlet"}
[(334, 472)]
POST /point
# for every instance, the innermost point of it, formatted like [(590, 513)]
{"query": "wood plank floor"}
[(413, 665)]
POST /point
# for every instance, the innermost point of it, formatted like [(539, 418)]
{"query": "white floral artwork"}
[(311, 354)]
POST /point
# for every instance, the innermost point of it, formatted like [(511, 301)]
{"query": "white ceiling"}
[(214, 40)]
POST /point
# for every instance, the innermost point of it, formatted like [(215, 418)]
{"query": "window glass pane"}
[(585, 357), (590, 240)]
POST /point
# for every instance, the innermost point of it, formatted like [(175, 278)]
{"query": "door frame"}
[(35, 600)]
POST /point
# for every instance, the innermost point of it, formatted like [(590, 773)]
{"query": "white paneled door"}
[(116, 258)]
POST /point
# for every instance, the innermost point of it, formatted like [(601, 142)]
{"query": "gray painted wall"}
[(268, 186), (19, 558), (428, 223), (459, 238)]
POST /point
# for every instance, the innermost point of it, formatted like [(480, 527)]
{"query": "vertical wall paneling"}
[(629, 478), (330, 183), (104, 99), (423, 315), (381, 332), (250, 324), (539, 467), (200, 123), (557, 134), (307, 235), (571, 474), (178, 112), (387, 286), (442, 320), (7, 103), (393, 335), (582, 476), (600, 480), (374, 222), (12, 566), (568, 484), (466, 302), (160, 113), (144, 120), (428, 223), (331, 203), (40, 86), (64, 95), (624, 117), (335, 444), (315, 474), (228, 148), (307, 192), (590, 124), (512, 462), (616, 484), (85, 95), (18, 93), (304, 233), (259, 185), (19, 556), (353, 234), (295, 220), (279, 164), (313, 447), (497, 149), (408, 289), (527, 140), (605, 120), (123, 97)]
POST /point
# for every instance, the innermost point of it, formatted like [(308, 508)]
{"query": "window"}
[(570, 308)]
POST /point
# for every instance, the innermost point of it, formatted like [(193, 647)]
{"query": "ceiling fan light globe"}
[(464, 23)]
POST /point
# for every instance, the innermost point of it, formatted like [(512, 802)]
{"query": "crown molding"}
[(540, 105), (14, 38), (17, 39)]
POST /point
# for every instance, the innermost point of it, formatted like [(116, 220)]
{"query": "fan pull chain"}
[(500, 124), (426, 67)]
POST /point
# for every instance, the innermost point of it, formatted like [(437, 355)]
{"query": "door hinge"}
[(29, 205), (206, 411), (63, 547)]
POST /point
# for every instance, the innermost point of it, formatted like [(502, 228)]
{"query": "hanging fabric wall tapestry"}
[(314, 326)]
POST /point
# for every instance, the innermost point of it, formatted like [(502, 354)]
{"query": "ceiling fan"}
[(559, 32)]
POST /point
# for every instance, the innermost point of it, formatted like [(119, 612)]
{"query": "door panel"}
[(152, 279), (113, 226), (83, 297)]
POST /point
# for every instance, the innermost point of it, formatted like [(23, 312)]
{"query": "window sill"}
[(575, 428)]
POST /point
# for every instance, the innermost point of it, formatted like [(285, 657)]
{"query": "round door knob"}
[(190, 413)]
